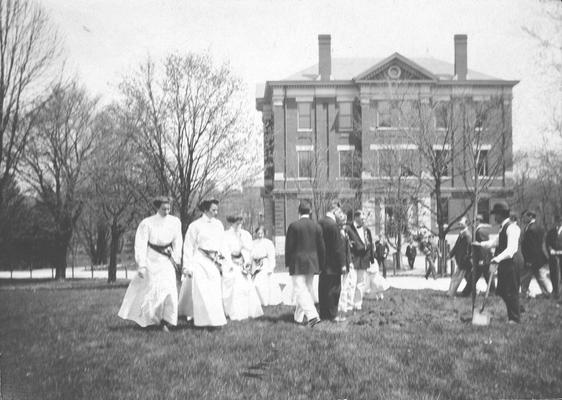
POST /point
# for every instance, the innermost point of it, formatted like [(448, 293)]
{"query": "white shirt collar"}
[(304, 216), (505, 221)]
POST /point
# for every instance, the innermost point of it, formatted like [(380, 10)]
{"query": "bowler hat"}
[(500, 207)]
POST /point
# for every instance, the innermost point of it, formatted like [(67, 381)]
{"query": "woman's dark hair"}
[(158, 201), (205, 205), (231, 219), (262, 228)]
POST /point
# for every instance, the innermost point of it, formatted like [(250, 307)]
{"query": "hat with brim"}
[(500, 208)]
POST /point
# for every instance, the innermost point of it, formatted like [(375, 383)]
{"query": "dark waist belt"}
[(160, 248), (214, 256), (236, 255)]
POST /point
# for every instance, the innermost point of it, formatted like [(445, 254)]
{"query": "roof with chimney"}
[(352, 68)]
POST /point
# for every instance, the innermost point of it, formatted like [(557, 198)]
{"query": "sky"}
[(104, 40)]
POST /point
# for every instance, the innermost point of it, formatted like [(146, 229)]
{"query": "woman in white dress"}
[(240, 298), (152, 296), (263, 264), (203, 262)]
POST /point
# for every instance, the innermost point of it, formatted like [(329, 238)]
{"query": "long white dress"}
[(201, 296), (154, 298), (240, 297), (263, 258)]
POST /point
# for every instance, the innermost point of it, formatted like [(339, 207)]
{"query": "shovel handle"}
[(487, 292)]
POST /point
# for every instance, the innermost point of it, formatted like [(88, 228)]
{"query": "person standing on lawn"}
[(304, 253), (553, 243), (152, 295), (481, 255), (263, 265), (462, 253), (362, 254), (204, 259), (329, 281), (411, 253), (381, 252), (430, 253), (534, 254), (507, 247)]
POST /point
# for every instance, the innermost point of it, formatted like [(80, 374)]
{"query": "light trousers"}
[(304, 297)]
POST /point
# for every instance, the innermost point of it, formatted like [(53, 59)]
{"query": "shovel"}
[(479, 317)]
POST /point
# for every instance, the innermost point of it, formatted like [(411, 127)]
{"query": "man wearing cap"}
[(553, 243), (507, 246), (462, 252), (304, 253), (533, 254)]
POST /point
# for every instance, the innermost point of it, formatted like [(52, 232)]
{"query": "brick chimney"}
[(324, 57), (460, 57)]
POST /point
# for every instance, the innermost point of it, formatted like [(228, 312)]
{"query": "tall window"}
[(442, 160), (345, 117), (441, 117), (444, 210), (305, 160), (482, 162), (304, 116), (484, 209), (349, 167), (384, 115)]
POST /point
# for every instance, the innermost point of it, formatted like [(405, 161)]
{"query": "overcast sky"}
[(269, 40)]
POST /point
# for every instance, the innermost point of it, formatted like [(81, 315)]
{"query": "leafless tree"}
[(191, 128), (61, 144), (28, 48)]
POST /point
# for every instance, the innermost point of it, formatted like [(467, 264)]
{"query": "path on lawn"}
[(404, 279)]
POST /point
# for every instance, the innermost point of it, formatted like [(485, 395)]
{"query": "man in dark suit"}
[(362, 255), (329, 282), (304, 254), (482, 256), (553, 243), (381, 252), (411, 253), (533, 254), (462, 253)]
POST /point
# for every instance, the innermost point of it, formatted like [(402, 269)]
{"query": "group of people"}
[(225, 272), (520, 254), (342, 253)]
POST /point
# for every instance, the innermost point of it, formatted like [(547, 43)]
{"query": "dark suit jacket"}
[(482, 255), (532, 244), (363, 254), (553, 240), (462, 250), (411, 251), (335, 247), (304, 247)]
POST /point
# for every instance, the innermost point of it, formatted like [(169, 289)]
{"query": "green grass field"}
[(64, 341)]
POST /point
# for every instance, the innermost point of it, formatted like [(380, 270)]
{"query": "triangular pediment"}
[(396, 67)]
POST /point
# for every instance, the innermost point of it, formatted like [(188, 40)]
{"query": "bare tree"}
[(118, 181), (28, 48), (59, 148), (191, 128)]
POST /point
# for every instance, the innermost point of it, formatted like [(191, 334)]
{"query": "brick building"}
[(329, 129)]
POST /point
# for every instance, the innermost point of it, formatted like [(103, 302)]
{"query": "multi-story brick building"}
[(328, 128)]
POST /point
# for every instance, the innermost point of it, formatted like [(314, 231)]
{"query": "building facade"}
[(378, 134)]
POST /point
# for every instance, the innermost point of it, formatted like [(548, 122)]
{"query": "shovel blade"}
[(480, 319)]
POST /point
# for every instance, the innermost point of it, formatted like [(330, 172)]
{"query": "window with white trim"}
[(305, 160), (482, 162), (384, 114), (442, 161), (345, 116), (304, 111), (349, 165)]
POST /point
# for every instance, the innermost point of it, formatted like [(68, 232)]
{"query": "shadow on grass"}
[(286, 317), (67, 284)]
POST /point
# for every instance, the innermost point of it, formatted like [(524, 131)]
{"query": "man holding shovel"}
[(507, 246)]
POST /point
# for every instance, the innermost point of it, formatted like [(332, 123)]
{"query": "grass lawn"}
[(64, 341)]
